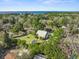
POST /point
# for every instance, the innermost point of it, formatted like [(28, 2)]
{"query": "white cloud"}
[(6, 0), (55, 1)]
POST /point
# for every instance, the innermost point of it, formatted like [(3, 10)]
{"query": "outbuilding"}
[(39, 56), (43, 34)]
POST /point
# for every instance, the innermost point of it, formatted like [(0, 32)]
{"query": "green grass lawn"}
[(29, 38)]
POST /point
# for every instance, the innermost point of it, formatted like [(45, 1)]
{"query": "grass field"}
[(29, 38)]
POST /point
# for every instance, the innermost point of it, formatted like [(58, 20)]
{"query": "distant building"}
[(39, 56), (43, 34), (63, 27)]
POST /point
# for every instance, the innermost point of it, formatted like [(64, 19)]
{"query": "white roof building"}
[(39, 56), (63, 27), (42, 33)]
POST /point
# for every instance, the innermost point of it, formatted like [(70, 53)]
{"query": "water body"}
[(24, 12), (31, 12)]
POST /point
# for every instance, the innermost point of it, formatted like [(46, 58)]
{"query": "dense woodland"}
[(63, 41)]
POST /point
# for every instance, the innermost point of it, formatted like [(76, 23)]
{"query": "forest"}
[(54, 35)]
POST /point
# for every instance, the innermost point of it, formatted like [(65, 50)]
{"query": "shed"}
[(42, 34)]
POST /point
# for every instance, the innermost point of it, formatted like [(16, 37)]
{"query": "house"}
[(10, 56), (43, 34), (63, 27), (39, 56), (17, 54)]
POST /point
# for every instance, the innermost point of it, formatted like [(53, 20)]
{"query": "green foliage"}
[(34, 49), (12, 20), (53, 52), (7, 40), (56, 36), (37, 24), (49, 48), (17, 27), (22, 43)]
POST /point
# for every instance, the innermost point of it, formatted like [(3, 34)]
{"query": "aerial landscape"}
[(39, 29), (52, 35)]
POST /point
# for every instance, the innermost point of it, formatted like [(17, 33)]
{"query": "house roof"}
[(39, 56), (41, 33), (10, 56)]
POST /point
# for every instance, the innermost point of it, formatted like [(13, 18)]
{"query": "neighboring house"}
[(39, 56), (17, 54), (43, 34), (64, 27), (10, 56)]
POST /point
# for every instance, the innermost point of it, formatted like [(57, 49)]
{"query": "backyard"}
[(30, 38)]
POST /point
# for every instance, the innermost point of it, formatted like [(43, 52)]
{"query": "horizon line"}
[(36, 11)]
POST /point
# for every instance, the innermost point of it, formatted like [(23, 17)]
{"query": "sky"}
[(39, 5)]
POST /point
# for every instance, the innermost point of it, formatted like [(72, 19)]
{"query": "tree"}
[(18, 27), (37, 24), (7, 40), (12, 20)]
